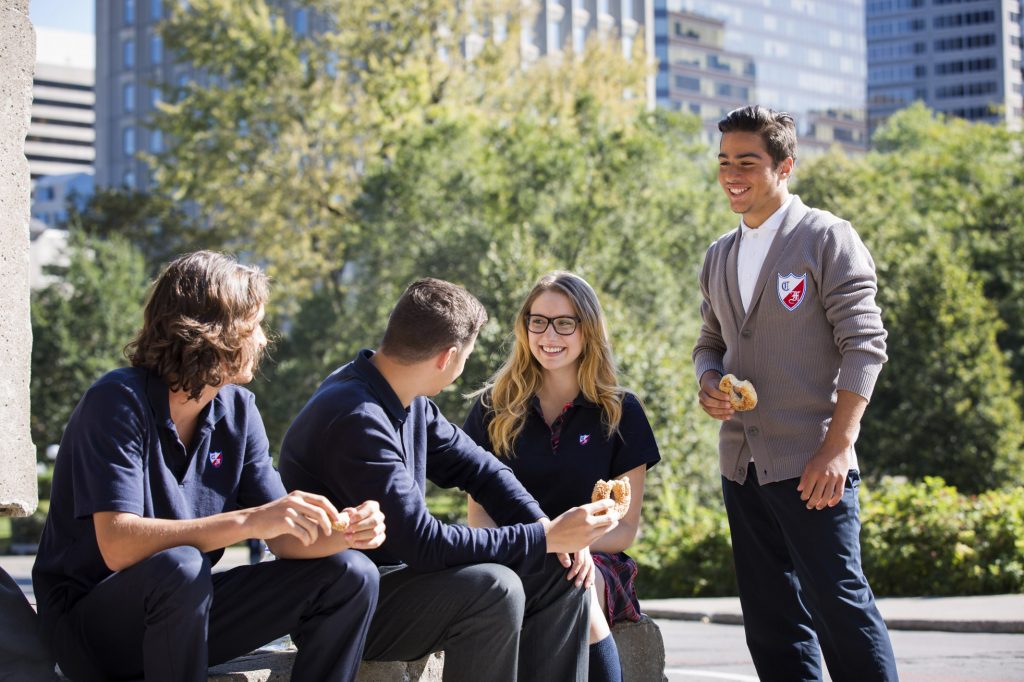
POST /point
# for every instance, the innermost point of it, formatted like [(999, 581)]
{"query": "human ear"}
[(446, 356)]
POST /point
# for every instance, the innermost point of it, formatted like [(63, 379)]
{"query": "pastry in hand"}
[(342, 522), (742, 395), (618, 490)]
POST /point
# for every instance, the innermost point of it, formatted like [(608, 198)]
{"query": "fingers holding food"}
[(616, 490)]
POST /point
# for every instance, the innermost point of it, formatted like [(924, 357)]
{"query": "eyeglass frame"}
[(551, 323)]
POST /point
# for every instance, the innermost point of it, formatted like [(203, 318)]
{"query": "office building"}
[(801, 56), (61, 133), (132, 65), (962, 58)]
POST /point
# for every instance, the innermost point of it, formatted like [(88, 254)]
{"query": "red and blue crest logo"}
[(584, 438), (216, 459), (791, 289)]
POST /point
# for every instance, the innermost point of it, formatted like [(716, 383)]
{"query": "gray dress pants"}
[(491, 623)]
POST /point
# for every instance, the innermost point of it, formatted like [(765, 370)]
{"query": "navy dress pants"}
[(802, 587), (168, 618), (491, 623)]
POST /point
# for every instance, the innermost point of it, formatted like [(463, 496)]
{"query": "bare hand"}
[(714, 401), (303, 515), (582, 569), (824, 478), (366, 526), (579, 527)]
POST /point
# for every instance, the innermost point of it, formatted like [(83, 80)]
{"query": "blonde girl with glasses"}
[(557, 416)]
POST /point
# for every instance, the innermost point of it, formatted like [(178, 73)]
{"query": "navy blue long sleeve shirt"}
[(354, 441)]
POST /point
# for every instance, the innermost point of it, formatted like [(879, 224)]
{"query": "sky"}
[(67, 15)]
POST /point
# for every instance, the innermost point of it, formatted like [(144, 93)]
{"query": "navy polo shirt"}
[(120, 453), (563, 477), (354, 441)]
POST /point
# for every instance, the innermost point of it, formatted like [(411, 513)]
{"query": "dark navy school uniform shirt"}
[(563, 476), (120, 453), (355, 441)]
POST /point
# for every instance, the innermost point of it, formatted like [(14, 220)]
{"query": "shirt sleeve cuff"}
[(858, 374), (704, 361)]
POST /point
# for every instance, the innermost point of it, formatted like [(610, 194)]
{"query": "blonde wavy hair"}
[(509, 392)]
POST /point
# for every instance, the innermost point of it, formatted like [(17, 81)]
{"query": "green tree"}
[(80, 325)]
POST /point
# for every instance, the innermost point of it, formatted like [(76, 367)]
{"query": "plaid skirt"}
[(619, 573)]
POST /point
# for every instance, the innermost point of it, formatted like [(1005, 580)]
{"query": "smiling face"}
[(553, 351), (755, 187)]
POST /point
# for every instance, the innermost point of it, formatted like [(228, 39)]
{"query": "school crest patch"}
[(216, 459), (584, 438), (791, 290)]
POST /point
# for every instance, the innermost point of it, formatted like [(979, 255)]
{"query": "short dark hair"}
[(430, 316), (199, 320), (776, 128)]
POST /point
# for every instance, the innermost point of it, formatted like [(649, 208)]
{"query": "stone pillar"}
[(18, 491)]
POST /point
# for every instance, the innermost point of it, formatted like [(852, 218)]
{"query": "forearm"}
[(125, 539), (846, 416), (617, 540), (290, 547), (478, 516)]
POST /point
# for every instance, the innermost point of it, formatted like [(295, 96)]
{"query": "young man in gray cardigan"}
[(789, 304)]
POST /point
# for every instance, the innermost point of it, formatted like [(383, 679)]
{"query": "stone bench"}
[(641, 650)]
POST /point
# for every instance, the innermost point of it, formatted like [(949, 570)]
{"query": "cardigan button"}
[(746, 333)]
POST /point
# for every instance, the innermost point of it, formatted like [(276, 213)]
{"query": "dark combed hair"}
[(431, 316), (199, 321), (776, 128)]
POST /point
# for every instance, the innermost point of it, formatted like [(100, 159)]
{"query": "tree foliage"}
[(79, 326), (939, 205)]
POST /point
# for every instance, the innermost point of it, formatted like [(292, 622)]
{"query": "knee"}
[(352, 573), (499, 587), (179, 571)]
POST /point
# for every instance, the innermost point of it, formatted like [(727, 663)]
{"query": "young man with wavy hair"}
[(789, 304), (161, 466), (495, 600)]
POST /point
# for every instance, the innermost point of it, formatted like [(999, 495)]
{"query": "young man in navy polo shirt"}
[(495, 600), (165, 463)]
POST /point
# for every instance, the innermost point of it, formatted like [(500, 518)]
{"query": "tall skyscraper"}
[(61, 134), (960, 57), (801, 56), (131, 65)]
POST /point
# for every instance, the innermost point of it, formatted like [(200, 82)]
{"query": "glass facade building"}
[(960, 58), (806, 57)]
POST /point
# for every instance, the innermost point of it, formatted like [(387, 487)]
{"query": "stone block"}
[(641, 650)]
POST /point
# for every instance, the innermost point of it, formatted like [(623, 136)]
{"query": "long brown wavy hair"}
[(199, 322), (510, 390)]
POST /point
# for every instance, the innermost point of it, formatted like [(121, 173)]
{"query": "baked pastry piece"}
[(618, 490), (741, 393), (342, 522)]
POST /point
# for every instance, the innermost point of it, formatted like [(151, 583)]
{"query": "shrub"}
[(928, 539)]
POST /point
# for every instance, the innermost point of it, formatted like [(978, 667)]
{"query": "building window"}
[(627, 46), (128, 97), (554, 36), (129, 12), (128, 179), (302, 22), (688, 83), (156, 9), (579, 39), (155, 96), (156, 49), (128, 141), (627, 9), (156, 141), (128, 54), (602, 7)]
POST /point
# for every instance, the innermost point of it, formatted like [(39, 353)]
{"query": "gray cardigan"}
[(812, 328)]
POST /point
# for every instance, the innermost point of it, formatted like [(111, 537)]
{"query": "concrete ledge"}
[(641, 650)]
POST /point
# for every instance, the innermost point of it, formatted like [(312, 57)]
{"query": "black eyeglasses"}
[(538, 324)]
